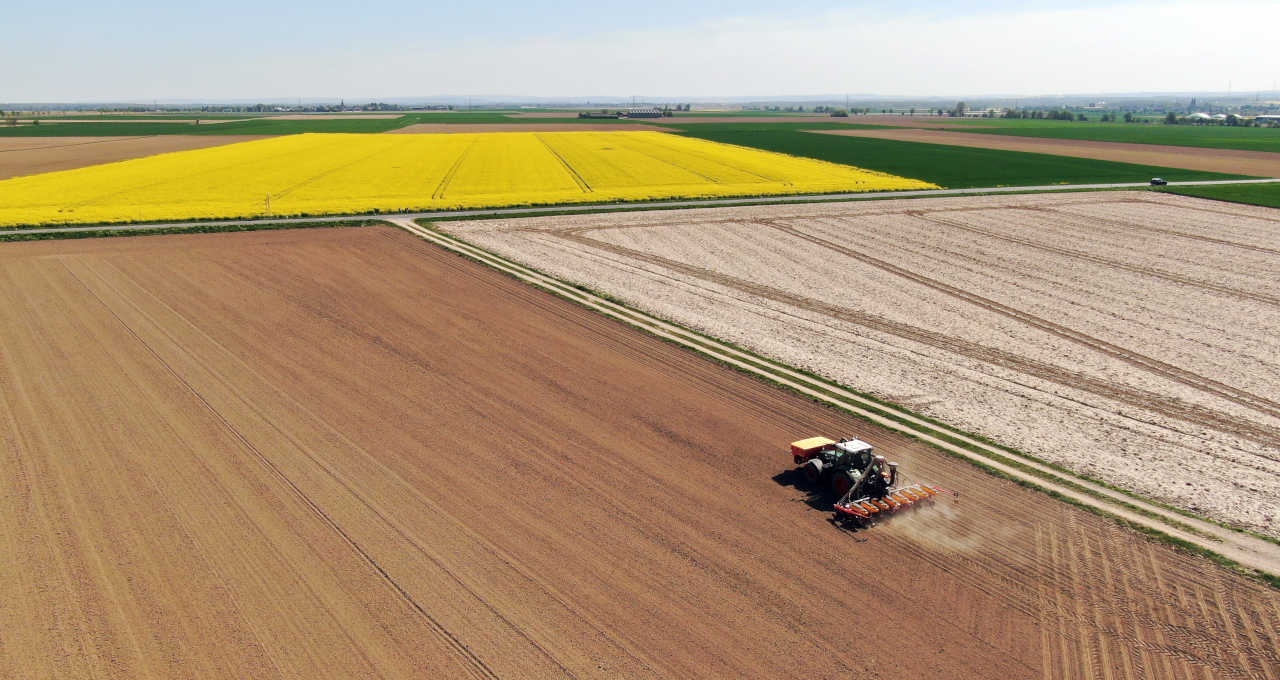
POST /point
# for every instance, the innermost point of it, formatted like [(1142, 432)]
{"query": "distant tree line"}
[(1038, 114)]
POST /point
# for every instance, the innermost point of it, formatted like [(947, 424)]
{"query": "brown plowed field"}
[(1233, 161), (346, 453), (33, 155), (921, 121)]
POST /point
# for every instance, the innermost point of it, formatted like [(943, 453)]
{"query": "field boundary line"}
[(1252, 555), (623, 206)]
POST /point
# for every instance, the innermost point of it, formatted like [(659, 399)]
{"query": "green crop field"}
[(1256, 194), (948, 166), (1208, 136)]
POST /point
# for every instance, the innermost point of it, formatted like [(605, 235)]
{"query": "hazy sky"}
[(93, 51)]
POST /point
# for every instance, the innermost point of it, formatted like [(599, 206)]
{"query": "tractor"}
[(865, 483)]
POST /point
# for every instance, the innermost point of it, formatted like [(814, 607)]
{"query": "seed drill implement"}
[(866, 484)]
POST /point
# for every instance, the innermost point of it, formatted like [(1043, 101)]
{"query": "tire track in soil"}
[(573, 174), (478, 666), (326, 313), (1135, 226), (976, 265), (1103, 602), (443, 186), (1167, 406), (104, 473), (710, 293), (1152, 365), (447, 636), (1216, 211), (1229, 291), (383, 344)]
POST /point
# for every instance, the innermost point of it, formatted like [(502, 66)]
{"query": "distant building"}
[(599, 114), (984, 113), (643, 113)]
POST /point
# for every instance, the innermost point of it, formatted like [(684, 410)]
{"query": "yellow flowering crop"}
[(317, 174)]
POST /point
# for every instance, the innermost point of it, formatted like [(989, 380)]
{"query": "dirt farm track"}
[(346, 453)]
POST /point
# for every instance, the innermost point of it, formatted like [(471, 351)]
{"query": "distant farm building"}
[(984, 113), (599, 114), (644, 113)]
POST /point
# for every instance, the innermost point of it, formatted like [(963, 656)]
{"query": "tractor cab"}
[(854, 454)]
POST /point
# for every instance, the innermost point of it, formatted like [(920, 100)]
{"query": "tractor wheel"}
[(813, 471), (840, 484)]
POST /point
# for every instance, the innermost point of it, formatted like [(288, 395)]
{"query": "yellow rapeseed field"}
[(317, 174)]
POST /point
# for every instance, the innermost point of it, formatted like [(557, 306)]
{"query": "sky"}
[(79, 51)]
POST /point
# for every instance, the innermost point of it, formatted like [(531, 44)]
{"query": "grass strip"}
[(615, 206), (194, 228), (1266, 195)]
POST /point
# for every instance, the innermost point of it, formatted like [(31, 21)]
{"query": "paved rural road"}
[(702, 203), (1245, 549)]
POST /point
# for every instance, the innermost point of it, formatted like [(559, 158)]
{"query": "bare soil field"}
[(346, 453), (34, 155), (1132, 337), (434, 128), (1235, 161), (920, 121), (544, 114)]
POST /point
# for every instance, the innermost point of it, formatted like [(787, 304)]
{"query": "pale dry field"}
[(1233, 161), (347, 453), (33, 155), (1133, 337)]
